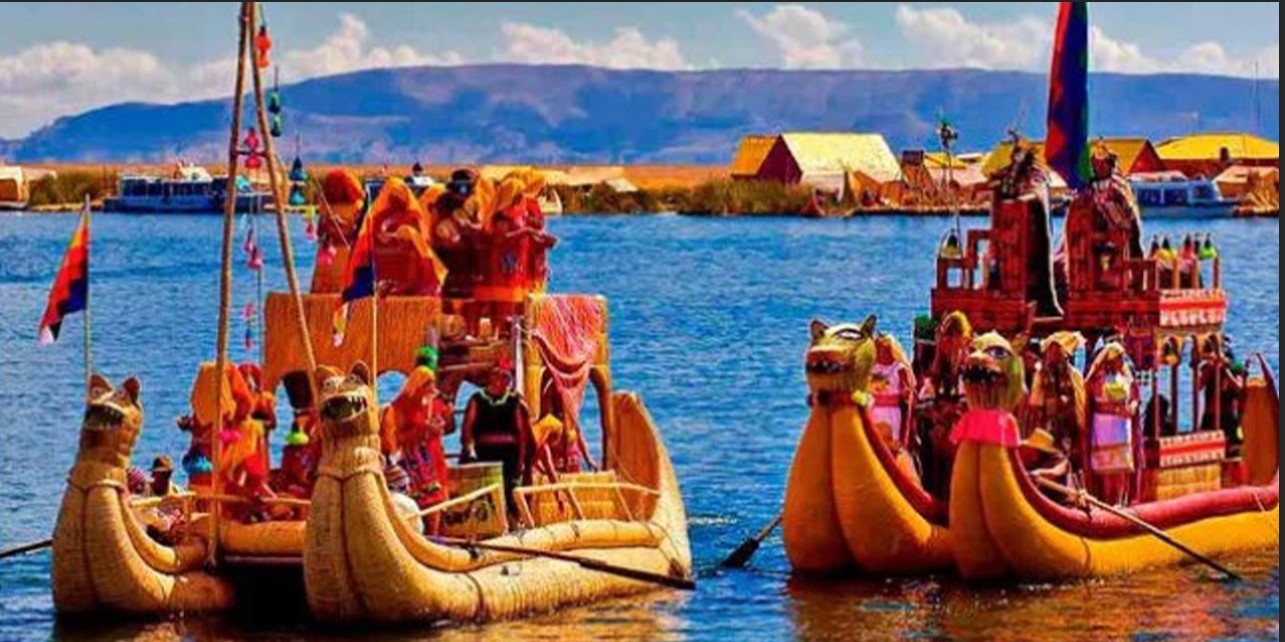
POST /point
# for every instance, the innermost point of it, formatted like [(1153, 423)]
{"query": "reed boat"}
[(362, 563), (1186, 488), (1014, 529), (850, 505), (103, 558)]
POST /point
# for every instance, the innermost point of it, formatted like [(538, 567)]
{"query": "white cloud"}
[(630, 49), (47, 81), (805, 38), (950, 40), (348, 50)]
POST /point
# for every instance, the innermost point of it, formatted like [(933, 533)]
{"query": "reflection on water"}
[(709, 322), (1179, 604)]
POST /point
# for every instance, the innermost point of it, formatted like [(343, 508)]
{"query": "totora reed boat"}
[(476, 545), (850, 505)]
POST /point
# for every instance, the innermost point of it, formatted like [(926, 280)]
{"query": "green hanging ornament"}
[(298, 174), (297, 196), (278, 127)]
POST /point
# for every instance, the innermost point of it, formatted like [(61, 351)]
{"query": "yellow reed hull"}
[(361, 564), (845, 512), (1036, 549), (104, 563)]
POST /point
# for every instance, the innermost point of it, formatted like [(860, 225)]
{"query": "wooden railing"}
[(523, 498)]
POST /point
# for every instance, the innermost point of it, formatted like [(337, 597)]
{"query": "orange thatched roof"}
[(751, 154)]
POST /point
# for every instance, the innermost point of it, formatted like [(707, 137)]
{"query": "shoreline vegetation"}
[(706, 191)]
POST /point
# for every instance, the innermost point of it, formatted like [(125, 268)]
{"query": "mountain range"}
[(572, 114)]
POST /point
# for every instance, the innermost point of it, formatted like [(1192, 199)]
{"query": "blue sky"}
[(62, 57)]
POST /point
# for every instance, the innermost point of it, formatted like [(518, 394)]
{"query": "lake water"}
[(710, 321)]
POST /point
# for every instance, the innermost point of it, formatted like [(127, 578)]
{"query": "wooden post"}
[(88, 324), (1174, 375), (225, 279), (283, 223)]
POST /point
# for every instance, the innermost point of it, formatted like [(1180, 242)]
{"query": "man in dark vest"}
[(497, 429)]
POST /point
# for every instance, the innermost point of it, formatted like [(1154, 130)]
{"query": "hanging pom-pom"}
[(255, 262), (275, 104), (263, 47), (298, 174), (253, 161), (278, 127), (248, 313), (297, 196), (252, 140), (310, 231)]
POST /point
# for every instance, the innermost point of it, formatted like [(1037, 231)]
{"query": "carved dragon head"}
[(113, 420)]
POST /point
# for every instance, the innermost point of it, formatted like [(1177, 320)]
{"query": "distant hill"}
[(565, 114)]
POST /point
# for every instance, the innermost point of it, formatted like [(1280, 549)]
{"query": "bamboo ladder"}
[(248, 55)]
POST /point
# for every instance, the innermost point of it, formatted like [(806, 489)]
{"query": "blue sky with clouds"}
[(62, 57)]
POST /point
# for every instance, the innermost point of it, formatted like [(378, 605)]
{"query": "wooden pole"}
[(225, 279), (88, 324), (668, 581), (283, 223), (1085, 498)]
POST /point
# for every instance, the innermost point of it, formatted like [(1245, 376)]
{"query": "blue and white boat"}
[(191, 190), (1173, 195)]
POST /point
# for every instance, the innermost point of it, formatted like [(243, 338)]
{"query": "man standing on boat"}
[(497, 429)]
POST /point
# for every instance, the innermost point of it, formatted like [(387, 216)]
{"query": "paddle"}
[(740, 558), (679, 583), (1079, 496), (24, 550)]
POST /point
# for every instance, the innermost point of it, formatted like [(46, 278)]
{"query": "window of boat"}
[(1149, 196), (1176, 197), (1205, 193), (156, 190)]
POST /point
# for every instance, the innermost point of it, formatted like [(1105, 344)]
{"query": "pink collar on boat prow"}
[(988, 427)]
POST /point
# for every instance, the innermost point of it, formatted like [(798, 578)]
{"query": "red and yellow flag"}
[(70, 292)]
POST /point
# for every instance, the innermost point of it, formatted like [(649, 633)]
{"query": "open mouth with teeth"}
[(827, 365), (984, 373), (103, 418), (344, 408)]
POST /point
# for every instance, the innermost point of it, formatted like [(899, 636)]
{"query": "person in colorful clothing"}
[(560, 445), (893, 388), (497, 429), (412, 428), (1058, 401), (1114, 400)]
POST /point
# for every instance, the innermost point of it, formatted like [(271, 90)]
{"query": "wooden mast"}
[(279, 201), (88, 321), (225, 278)]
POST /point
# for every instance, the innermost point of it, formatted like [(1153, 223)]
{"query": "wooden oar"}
[(679, 583), (24, 550), (1079, 496), (740, 558)]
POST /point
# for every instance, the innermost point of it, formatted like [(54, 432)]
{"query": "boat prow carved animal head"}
[(113, 420), (842, 357), (347, 402), (994, 375)]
